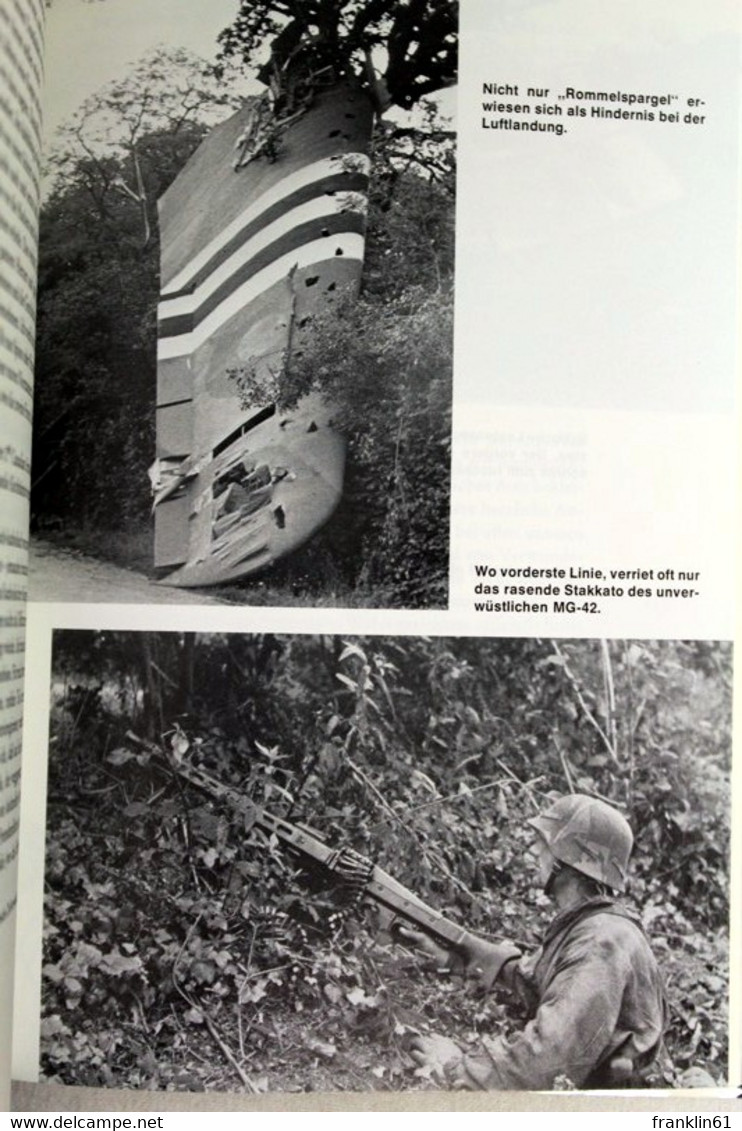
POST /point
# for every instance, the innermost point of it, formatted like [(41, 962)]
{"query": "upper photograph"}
[(245, 305)]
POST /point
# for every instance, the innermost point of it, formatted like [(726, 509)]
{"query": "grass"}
[(127, 549), (310, 578)]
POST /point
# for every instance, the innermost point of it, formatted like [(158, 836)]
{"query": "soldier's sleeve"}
[(485, 961), (574, 1025), (517, 975)]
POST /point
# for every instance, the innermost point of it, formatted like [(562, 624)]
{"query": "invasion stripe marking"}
[(180, 316), (316, 191), (320, 215), (308, 174), (309, 255)]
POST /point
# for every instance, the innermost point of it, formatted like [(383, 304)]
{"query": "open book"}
[(379, 644)]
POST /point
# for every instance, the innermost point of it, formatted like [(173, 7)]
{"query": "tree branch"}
[(581, 700)]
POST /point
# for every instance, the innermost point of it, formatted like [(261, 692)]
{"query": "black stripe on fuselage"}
[(326, 186), (338, 224)]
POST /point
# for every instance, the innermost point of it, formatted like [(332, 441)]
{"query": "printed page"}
[(383, 561), (20, 123), (594, 477)]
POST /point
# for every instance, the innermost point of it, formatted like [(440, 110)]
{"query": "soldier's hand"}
[(441, 1056), (445, 961)]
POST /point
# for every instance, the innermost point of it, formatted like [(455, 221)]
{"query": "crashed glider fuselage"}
[(251, 247)]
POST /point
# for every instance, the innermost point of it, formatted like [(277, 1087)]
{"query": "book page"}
[(599, 343), (385, 530), (20, 126)]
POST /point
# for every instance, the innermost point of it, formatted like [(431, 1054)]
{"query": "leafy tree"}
[(167, 92), (418, 39), (386, 365), (98, 287)]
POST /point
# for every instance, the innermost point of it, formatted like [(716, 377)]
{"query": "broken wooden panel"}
[(247, 256)]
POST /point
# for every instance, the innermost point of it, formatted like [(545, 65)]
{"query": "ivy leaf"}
[(120, 756), (53, 1026), (687, 822), (117, 964), (253, 991), (204, 972), (358, 996)]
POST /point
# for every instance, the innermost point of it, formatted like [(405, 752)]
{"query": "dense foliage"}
[(98, 283), (417, 38), (186, 950), (385, 360)]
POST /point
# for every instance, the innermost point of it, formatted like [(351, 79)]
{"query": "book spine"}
[(21, 38)]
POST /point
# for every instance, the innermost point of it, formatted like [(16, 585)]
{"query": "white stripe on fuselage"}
[(351, 243), (321, 208), (309, 174)]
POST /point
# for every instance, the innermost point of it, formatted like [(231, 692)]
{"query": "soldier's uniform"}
[(594, 992), (597, 1007)]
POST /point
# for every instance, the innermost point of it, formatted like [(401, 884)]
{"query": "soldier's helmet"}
[(589, 835)]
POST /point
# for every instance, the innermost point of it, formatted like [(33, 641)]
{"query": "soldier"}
[(593, 990)]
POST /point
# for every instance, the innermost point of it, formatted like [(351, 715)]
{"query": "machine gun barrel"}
[(377, 886)]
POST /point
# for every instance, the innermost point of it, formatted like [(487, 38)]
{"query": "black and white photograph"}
[(294, 863), (245, 311), (369, 541)]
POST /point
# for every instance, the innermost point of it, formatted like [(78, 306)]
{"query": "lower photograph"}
[(292, 863)]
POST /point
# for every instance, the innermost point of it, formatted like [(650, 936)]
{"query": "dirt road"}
[(56, 574)]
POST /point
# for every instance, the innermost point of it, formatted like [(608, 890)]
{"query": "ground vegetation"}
[(184, 949)]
